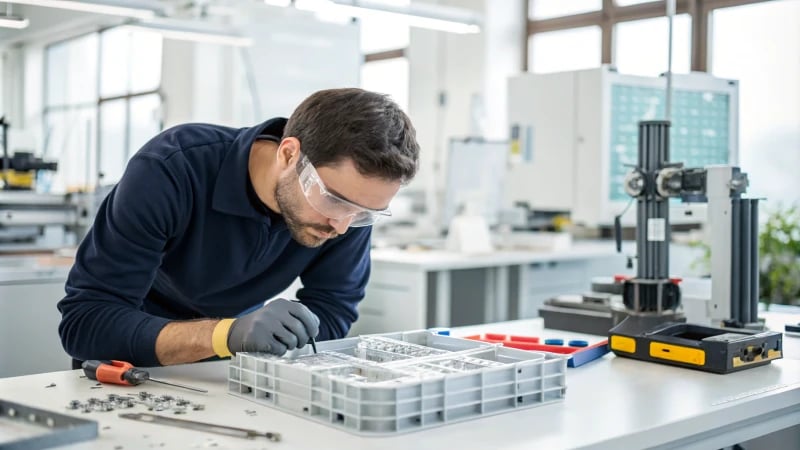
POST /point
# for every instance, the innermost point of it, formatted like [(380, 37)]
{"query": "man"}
[(208, 222)]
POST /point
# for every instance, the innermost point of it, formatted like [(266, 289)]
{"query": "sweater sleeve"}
[(334, 283), (116, 264)]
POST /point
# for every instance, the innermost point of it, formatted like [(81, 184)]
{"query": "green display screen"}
[(698, 135)]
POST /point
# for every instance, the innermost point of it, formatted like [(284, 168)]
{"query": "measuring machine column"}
[(654, 329), (651, 292)]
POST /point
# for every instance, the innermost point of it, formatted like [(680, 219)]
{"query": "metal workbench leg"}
[(501, 300), (443, 298)]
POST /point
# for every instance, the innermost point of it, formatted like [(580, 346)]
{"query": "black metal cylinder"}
[(754, 291), (652, 221), (736, 259), (745, 262)]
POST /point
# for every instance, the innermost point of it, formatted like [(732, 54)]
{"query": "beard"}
[(291, 201)]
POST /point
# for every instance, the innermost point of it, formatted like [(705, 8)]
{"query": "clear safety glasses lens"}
[(330, 205)]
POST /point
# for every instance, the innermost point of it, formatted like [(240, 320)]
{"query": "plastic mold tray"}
[(399, 382)]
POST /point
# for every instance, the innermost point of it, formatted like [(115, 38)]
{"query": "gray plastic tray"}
[(399, 382)]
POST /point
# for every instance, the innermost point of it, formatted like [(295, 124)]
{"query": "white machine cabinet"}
[(29, 341), (577, 130)]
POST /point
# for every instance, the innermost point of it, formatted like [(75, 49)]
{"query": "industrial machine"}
[(18, 171), (34, 221), (653, 329), (577, 131)]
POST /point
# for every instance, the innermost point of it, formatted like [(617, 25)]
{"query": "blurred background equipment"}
[(20, 168), (578, 132), (33, 221)]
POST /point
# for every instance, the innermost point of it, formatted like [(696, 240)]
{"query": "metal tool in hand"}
[(121, 372), (201, 426)]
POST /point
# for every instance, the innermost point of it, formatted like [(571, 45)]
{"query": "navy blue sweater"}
[(183, 236)]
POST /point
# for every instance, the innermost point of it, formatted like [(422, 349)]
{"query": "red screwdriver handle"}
[(114, 372)]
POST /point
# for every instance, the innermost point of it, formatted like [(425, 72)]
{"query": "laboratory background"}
[(600, 248)]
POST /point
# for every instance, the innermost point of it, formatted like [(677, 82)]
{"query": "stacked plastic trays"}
[(399, 382)]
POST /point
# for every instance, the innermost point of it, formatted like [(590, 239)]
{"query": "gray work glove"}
[(279, 326)]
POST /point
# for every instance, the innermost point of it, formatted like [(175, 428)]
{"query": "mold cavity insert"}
[(399, 382)]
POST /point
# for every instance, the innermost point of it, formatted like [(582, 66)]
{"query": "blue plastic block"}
[(582, 357)]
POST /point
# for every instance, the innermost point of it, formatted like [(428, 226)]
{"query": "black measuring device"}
[(711, 349)]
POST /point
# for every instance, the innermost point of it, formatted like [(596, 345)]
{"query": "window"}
[(113, 139), (630, 2), (70, 111), (378, 35), (129, 105), (759, 46), (388, 76), (144, 120), (111, 77), (573, 49), (642, 45), (547, 9)]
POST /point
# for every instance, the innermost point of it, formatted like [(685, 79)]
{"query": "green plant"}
[(779, 257), (702, 263)]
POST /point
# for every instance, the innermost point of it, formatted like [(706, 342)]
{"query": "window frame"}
[(96, 104), (611, 14)]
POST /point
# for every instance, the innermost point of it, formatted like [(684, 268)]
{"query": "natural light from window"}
[(546, 9), (759, 45), (379, 34), (556, 51), (388, 76), (641, 45)]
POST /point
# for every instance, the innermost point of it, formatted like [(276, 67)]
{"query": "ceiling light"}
[(9, 20), (430, 16), (184, 30), (13, 22), (140, 9)]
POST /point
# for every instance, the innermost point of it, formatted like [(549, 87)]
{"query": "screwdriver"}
[(121, 372), (313, 344)]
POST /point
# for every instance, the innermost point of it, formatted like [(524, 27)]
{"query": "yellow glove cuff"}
[(219, 338)]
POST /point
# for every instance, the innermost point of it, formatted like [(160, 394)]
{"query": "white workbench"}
[(30, 287), (417, 289), (610, 403)]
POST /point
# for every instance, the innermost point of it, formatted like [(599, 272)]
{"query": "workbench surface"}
[(610, 403)]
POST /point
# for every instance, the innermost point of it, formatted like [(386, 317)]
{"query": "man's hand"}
[(279, 326)]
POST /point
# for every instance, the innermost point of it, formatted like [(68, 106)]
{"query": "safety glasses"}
[(331, 205)]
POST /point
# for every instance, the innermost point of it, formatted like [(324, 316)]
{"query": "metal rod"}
[(754, 258), (179, 385), (201, 426), (744, 263), (670, 15), (6, 159), (736, 255)]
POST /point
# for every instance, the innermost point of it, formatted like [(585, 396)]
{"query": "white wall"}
[(469, 73), (196, 82), (21, 84), (505, 32), (293, 55), (21, 81)]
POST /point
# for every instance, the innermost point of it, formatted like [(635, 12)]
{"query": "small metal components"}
[(152, 403)]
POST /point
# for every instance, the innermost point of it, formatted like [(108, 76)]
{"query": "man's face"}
[(308, 226)]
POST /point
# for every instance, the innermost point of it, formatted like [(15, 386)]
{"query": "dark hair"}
[(365, 126)]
